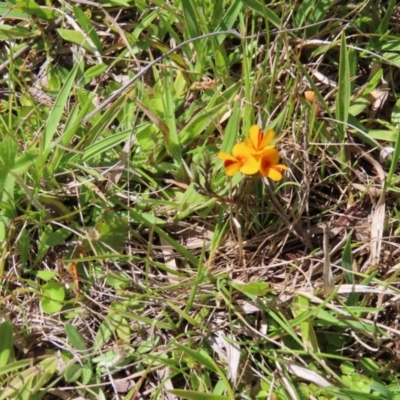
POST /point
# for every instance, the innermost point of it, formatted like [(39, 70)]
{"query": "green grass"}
[(132, 267)]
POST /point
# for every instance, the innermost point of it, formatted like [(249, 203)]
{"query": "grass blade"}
[(343, 95), (57, 111), (6, 343)]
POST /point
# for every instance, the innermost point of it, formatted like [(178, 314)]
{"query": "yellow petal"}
[(264, 149), (250, 167), (267, 139), (281, 166), (253, 133), (225, 156), (249, 144), (232, 169), (270, 155), (240, 149), (274, 174)]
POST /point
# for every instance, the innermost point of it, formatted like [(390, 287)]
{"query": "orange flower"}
[(259, 141), (241, 160), (310, 96), (269, 166)]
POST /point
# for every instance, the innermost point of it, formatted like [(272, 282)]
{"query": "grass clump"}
[(132, 266)]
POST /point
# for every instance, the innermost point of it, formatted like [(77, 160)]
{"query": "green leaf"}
[(95, 71), (347, 368), (201, 357), (184, 315), (14, 366), (347, 262), (23, 244), (53, 297), (122, 3), (178, 59), (73, 123), (254, 288), (103, 145), (87, 373), (77, 38), (348, 394), (396, 114), (359, 105), (374, 82), (369, 365), (16, 386), (174, 146), (57, 111), (75, 339), (112, 232), (6, 342), (57, 237), (192, 395), (43, 244), (309, 13), (190, 199), (384, 24), (260, 7), (88, 27), (8, 153), (8, 32), (11, 13), (7, 197), (343, 95), (395, 158), (46, 275), (218, 15), (23, 162), (48, 367), (191, 17), (228, 21), (55, 207), (102, 124), (33, 9), (3, 177), (30, 381), (328, 317), (148, 219), (118, 280), (73, 372), (124, 331), (305, 12), (231, 131), (106, 329), (382, 390), (381, 134)]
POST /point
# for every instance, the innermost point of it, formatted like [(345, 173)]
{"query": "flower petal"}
[(249, 144), (253, 133), (274, 174), (267, 139), (259, 154), (270, 156), (240, 150), (225, 156), (250, 167), (232, 169)]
